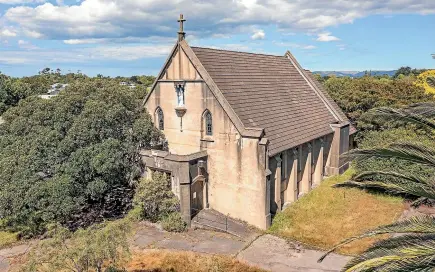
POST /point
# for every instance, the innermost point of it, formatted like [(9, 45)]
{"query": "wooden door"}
[(197, 196)]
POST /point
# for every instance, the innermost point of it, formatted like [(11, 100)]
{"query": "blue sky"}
[(128, 37)]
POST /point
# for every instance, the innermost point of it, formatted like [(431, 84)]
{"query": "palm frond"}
[(402, 151), (420, 224), (397, 263), (394, 183), (404, 253), (418, 115), (400, 241), (394, 176)]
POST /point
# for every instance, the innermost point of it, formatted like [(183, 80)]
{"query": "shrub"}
[(7, 239), (94, 249), (155, 199), (173, 222)]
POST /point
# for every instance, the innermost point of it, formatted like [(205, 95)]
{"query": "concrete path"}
[(4, 264), (265, 251), (11, 252), (276, 254), (198, 240)]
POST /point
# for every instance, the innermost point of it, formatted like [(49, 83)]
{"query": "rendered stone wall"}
[(236, 172), (295, 183)]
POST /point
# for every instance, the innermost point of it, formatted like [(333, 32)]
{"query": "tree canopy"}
[(359, 95), (12, 90), (71, 159)]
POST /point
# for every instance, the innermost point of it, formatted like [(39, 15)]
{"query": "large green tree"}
[(72, 159), (359, 95)]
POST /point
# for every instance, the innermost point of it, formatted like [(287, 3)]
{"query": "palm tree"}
[(414, 248), (423, 188)]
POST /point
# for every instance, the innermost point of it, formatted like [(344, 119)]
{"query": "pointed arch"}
[(159, 118), (207, 123)]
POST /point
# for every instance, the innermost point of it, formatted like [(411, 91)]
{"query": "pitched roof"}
[(337, 109), (274, 93)]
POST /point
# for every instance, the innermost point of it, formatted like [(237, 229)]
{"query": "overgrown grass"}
[(181, 261), (7, 239), (327, 215)]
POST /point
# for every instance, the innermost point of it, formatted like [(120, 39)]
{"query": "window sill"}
[(207, 139)]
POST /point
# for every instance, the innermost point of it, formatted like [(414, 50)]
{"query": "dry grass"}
[(7, 239), (181, 261), (328, 215)]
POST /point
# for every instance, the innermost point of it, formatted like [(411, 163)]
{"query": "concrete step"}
[(216, 220)]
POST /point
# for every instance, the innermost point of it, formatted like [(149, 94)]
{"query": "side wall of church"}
[(236, 176), (301, 169)]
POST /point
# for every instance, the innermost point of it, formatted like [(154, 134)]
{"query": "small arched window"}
[(208, 123), (160, 118)]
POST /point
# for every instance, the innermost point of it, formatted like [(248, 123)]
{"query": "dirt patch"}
[(166, 261)]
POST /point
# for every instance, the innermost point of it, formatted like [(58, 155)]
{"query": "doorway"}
[(197, 196)]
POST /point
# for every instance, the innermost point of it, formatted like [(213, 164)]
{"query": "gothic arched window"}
[(160, 118), (208, 122)]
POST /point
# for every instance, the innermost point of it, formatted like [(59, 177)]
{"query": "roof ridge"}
[(238, 51)]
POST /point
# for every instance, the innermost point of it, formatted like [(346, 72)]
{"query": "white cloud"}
[(97, 19), (220, 36), (32, 34), (258, 35), (7, 33), (157, 40), (295, 45), (125, 53), (84, 41), (309, 47), (82, 55), (26, 45), (326, 37), (341, 47), (14, 2)]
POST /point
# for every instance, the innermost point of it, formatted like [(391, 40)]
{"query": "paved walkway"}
[(262, 250), (276, 254), (198, 240), (11, 252), (265, 251)]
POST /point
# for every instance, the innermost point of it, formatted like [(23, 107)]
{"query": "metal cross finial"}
[(181, 32)]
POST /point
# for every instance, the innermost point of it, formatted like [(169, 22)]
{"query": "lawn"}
[(327, 215), (7, 239), (181, 261)]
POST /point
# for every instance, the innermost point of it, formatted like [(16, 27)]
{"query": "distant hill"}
[(354, 73)]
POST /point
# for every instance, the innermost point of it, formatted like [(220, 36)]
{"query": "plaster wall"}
[(236, 170), (296, 182)]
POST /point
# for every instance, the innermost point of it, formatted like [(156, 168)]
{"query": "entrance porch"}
[(188, 175)]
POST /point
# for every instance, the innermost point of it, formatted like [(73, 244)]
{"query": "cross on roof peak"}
[(181, 32)]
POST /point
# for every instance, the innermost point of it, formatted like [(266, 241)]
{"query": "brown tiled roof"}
[(269, 92)]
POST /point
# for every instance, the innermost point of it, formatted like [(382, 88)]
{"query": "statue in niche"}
[(180, 96)]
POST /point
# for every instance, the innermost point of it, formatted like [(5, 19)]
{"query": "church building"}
[(247, 133)]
